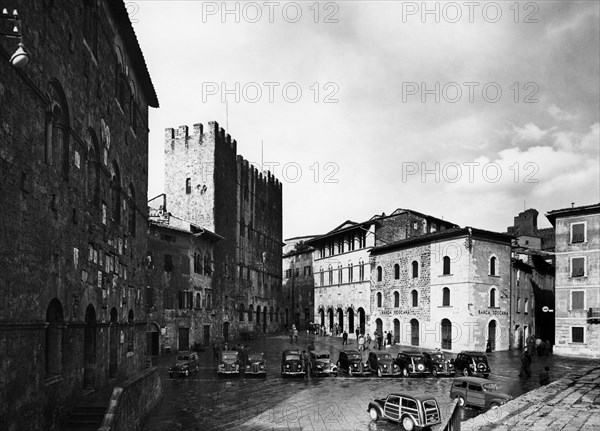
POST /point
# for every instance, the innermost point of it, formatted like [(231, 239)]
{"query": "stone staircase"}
[(88, 415)]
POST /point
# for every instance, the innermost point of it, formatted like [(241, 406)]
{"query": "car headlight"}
[(237, 367), (287, 365), (355, 365), (222, 365), (262, 367), (385, 366), (299, 366), (248, 366), (395, 366)]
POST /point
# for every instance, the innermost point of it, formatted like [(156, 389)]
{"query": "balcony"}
[(593, 315)]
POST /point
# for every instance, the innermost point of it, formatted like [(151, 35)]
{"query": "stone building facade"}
[(342, 267), (526, 230), (73, 175), (209, 185), (577, 280), (448, 290), (179, 294), (298, 285)]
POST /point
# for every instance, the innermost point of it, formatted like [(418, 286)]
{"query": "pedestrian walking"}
[(243, 355), (345, 338), (311, 346), (304, 363), (389, 339), (361, 343), (295, 335), (215, 350), (357, 332), (545, 377), (525, 364), (368, 341), (488, 347), (379, 336)]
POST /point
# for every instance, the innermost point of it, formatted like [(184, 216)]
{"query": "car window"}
[(408, 403), (438, 357), (229, 357), (323, 356), (255, 357), (475, 387), (384, 356), (354, 356), (183, 358), (480, 359), (292, 357), (460, 384), (393, 400)]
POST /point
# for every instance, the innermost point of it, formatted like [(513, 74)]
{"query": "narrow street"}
[(207, 402)]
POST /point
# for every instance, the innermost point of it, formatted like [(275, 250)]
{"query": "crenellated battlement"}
[(251, 172)]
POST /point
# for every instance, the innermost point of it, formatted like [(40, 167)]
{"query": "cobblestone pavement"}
[(206, 402), (570, 403)]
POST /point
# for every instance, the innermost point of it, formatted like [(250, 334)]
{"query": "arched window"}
[(379, 299), (340, 274), (321, 277), (361, 271), (493, 265), (415, 269), (415, 298), (350, 273), (198, 301), (115, 190), (54, 337), (446, 265), (132, 211), (330, 277), (493, 297), (250, 312), (241, 311), (445, 297), (396, 272), (379, 273), (396, 299)]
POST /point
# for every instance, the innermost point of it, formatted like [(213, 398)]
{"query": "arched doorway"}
[(322, 317), (89, 348), (351, 327), (396, 331), (265, 319), (361, 320), (446, 334), (379, 326), (340, 316), (518, 338), (152, 339), (113, 353), (258, 310), (330, 315), (414, 332), (492, 334), (226, 331)]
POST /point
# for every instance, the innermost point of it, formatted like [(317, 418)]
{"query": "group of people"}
[(543, 348)]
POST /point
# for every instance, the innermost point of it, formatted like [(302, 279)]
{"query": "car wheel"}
[(486, 375), (373, 413), (465, 372), (461, 401), (379, 373), (494, 405), (407, 423), (434, 372), (405, 372)]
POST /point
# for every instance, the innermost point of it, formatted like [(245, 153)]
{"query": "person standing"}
[(525, 364), (545, 377), (295, 335), (368, 341), (344, 338), (357, 332), (389, 339), (361, 343), (379, 336)]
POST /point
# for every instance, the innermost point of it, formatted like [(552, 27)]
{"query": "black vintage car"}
[(291, 363), (319, 364), (256, 364), (412, 364), (351, 362), (185, 364), (438, 364), (383, 364), (472, 363), (230, 363)]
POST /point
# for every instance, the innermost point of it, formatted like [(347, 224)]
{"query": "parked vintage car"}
[(472, 363), (185, 364), (350, 361), (230, 362), (320, 364), (478, 392), (413, 412), (438, 364), (412, 364), (383, 364), (291, 363), (256, 364)]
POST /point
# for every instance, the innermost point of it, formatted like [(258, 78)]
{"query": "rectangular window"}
[(307, 270), (188, 186), (577, 232), (577, 299), (288, 273), (577, 267), (104, 213), (350, 274), (518, 305), (577, 334), (361, 272), (297, 272), (168, 263), (526, 309)]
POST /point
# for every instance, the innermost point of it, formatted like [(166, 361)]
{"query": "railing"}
[(453, 422), (593, 315)]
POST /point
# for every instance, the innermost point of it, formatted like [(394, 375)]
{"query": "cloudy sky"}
[(469, 113)]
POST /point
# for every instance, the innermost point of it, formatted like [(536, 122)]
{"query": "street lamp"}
[(20, 58)]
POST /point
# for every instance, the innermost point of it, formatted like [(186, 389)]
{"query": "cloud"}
[(559, 114), (528, 133)]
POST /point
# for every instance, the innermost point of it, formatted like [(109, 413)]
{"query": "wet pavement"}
[(205, 401)]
